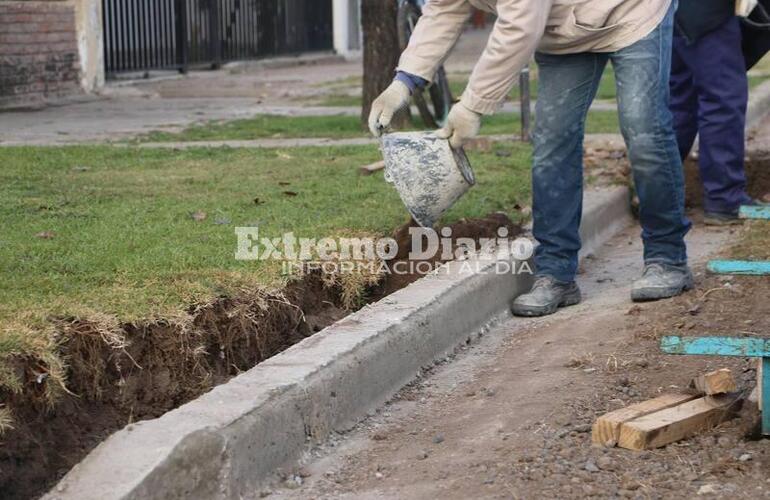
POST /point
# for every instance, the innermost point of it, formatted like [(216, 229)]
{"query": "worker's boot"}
[(729, 218), (721, 218), (661, 281), (545, 297)]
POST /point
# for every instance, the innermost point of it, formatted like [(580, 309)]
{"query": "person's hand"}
[(395, 98), (461, 124)]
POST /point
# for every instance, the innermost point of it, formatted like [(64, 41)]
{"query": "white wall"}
[(88, 20), (347, 28)]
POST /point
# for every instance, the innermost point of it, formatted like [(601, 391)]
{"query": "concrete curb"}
[(228, 441), (606, 212)]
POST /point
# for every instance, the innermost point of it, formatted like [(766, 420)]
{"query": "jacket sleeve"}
[(516, 35), (437, 31)]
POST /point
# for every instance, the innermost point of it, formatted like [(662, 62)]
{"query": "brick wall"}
[(38, 51)]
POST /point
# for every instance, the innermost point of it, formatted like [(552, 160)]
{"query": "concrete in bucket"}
[(429, 175)]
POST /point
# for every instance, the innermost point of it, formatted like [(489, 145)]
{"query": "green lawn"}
[(338, 127), (599, 122), (266, 126), (115, 230), (339, 91)]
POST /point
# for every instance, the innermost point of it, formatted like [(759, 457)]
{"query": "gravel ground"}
[(510, 415)]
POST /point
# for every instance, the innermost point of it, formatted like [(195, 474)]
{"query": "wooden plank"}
[(372, 168), (606, 429), (754, 212), (679, 422), (716, 382), (747, 267), (716, 346)]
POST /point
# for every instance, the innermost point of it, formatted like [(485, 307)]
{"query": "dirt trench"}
[(122, 373), (757, 179)]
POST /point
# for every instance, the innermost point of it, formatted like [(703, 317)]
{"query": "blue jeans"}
[(567, 86), (709, 93)]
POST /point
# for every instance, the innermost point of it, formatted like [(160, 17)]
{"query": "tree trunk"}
[(381, 53)]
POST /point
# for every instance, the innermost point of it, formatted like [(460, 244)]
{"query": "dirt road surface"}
[(510, 415)]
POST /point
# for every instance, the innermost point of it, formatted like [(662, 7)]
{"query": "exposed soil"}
[(475, 229), (144, 370), (163, 365), (757, 179), (510, 416), (606, 163)]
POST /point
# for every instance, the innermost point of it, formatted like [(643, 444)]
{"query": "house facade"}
[(55, 48)]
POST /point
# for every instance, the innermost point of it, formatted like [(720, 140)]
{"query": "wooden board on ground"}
[(679, 422), (606, 429), (371, 168), (716, 382)]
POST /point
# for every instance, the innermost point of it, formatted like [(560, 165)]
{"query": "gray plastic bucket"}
[(428, 174)]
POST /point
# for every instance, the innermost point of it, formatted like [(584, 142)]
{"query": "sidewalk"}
[(126, 109)]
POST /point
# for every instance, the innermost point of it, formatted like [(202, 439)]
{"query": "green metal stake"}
[(747, 267), (754, 212), (765, 396), (728, 346)]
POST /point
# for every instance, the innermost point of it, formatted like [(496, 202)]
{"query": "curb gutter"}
[(228, 441)]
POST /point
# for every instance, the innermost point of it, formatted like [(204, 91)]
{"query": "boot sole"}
[(722, 222), (534, 311), (651, 294)]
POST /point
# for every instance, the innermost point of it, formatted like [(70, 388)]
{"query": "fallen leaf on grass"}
[(284, 183), (290, 193), (199, 215), (45, 235)]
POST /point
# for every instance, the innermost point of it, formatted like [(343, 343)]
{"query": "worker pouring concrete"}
[(572, 41)]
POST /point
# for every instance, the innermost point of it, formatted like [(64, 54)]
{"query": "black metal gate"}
[(141, 35)]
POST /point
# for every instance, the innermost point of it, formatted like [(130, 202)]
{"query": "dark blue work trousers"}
[(709, 93)]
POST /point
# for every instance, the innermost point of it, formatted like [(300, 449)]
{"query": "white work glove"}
[(387, 104), (461, 124), (744, 8)]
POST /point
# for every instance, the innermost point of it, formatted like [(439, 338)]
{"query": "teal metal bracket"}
[(751, 347), (754, 212), (758, 268)]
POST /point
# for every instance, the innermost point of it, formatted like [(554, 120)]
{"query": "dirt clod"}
[(474, 229)]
